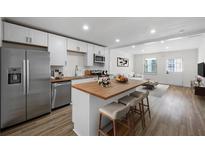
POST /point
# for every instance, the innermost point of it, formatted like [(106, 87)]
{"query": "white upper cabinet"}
[(99, 50), (15, 33), (57, 49), (77, 46), (20, 34), (38, 37), (89, 55)]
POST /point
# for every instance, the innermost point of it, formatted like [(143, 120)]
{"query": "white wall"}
[(189, 73), (201, 57), (114, 69), (73, 59)]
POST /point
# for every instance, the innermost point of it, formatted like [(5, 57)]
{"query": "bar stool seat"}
[(129, 100), (135, 108), (114, 110), (143, 95), (139, 94)]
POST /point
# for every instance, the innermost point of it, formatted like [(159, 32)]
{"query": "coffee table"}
[(150, 84)]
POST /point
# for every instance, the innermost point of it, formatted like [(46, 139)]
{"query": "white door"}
[(15, 33), (174, 71)]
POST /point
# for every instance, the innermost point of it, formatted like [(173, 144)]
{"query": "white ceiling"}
[(174, 44), (105, 30)]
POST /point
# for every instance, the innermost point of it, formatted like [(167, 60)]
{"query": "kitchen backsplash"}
[(73, 60)]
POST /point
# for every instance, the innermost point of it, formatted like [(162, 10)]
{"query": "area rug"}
[(159, 91)]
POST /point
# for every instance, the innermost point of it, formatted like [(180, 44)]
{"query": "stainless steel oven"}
[(99, 59)]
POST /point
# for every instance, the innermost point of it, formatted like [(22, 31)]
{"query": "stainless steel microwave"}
[(99, 59)]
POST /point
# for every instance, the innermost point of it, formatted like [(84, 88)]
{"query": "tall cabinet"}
[(89, 55), (57, 48)]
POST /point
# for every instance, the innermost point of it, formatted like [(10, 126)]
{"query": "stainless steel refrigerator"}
[(25, 85)]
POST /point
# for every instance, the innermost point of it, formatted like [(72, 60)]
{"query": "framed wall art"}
[(122, 62)]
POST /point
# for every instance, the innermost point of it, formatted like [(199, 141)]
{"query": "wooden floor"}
[(177, 112), (58, 123)]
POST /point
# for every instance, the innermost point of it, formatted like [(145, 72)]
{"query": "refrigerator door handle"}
[(27, 63), (24, 77)]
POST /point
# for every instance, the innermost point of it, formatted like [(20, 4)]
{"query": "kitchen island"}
[(88, 97)]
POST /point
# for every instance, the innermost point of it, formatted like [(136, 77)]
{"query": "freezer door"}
[(38, 83), (13, 86)]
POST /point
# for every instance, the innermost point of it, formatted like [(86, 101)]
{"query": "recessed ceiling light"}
[(167, 47), (117, 40), (85, 27), (152, 31), (133, 46), (162, 41)]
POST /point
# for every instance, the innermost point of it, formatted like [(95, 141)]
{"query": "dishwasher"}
[(61, 94)]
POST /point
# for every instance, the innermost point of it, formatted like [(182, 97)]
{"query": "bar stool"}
[(133, 102), (143, 95), (114, 112)]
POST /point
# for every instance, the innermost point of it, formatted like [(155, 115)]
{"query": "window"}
[(174, 65), (150, 65)]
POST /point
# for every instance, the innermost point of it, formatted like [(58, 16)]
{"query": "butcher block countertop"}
[(69, 78), (116, 88)]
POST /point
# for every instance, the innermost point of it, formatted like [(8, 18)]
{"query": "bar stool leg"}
[(114, 127), (148, 107), (129, 120), (132, 122), (143, 113), (100, 118)]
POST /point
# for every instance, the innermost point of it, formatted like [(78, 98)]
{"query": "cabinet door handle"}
[(26, 39), (78, 48)]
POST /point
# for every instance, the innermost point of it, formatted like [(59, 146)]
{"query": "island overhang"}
[(116, 88)]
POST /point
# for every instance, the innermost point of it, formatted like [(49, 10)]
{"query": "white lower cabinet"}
[(57, 49)]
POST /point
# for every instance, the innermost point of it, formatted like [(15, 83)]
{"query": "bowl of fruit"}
[(121, 78)]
